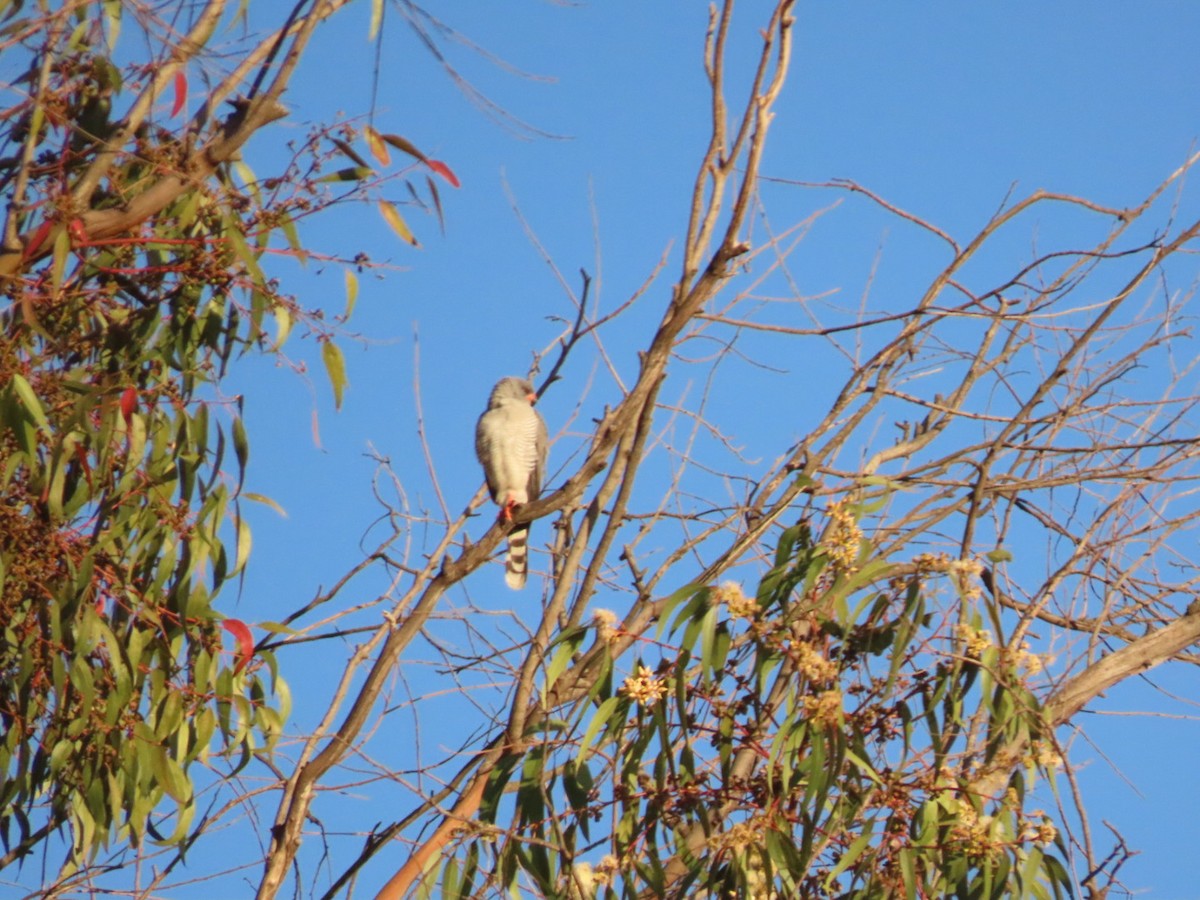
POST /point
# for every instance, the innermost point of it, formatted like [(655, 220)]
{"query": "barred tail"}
[(516, 563)]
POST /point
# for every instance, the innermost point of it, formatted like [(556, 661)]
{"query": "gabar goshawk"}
[(511, 443)]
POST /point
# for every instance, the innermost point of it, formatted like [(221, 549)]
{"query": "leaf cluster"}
[(821, 738), (132, 275)]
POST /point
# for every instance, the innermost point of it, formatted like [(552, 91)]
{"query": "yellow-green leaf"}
[(275, 628), (376, 20), (169, 775), (250, 180), (283, 324), (335, 365), (58, 268), (353, 173), (293, 238), (36, 120), (265, 501), (112, 18), (351, 292), (244, 542), (393, 218)]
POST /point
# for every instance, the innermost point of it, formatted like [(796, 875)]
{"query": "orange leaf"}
[(245, 641), (180, 92), (376, 145), (444, 170)]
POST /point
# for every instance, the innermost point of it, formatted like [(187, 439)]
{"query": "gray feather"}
[(511, 443)]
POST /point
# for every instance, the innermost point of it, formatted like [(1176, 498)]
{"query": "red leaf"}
[(81, 456), (444, 170), (129, 403), (34, 244), (180, 92), (245, 641)]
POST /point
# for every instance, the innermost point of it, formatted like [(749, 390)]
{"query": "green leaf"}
[(283, 695), (205, 726), (183, 822), (708, 654), (717, 652), (578, 784), (530, 796), (249, 257), (567, 645), (170, 716), (450, 880), (85, 830), (853, 852), (29, 400), (687, 592), (335, 365), (863, 767), (241, 447), (600, 719), (169, 775)]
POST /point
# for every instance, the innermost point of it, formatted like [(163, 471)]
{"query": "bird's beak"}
[(531, 397)]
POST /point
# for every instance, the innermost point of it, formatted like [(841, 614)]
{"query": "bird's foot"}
[(506, 511)]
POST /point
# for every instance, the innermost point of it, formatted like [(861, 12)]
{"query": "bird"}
[(511, 444)]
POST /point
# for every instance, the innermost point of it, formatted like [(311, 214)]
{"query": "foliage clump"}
[(824, 737)]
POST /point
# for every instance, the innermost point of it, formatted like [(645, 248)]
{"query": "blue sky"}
[(940, 107)]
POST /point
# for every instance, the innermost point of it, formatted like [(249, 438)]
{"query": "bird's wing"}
[(485, 447), (541, 447)]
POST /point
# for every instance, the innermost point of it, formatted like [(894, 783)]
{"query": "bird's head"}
[(512, 389)]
